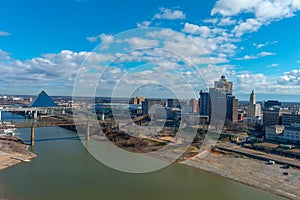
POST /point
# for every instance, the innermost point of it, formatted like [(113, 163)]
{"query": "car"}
[(271, 162), (285, 173)]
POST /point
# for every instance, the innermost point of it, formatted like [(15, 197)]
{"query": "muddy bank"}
[(13, 151)]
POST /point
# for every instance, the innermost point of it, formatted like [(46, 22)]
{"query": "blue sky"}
[(255, 43)]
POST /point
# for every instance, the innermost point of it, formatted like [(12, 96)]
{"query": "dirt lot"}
[(252, 172)]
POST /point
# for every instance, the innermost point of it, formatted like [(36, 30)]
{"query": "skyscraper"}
[(253, 109), (219, 102), (252, 98), (232, 108), (204, 103), (224, 85), (195, 105)]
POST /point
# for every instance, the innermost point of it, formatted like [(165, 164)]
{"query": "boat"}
[(7, 128)]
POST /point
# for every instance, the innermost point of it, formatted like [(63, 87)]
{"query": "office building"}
[(195, 105), (232, 109), (287, 134), (273, 117), (148, 103), (204, 103), (173, 103), (137, 100), (289, 119), (253, 109), (224, 85)]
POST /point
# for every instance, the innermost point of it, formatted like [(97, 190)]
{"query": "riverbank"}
[(252, 172), (13, 151)]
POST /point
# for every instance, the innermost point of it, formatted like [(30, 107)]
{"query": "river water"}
[(65, 170)]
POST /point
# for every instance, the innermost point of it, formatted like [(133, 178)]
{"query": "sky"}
[(150, 48)]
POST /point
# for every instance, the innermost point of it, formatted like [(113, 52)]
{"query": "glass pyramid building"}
[(42, 100)]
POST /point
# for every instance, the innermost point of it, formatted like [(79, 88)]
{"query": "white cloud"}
[(105, 39), (265, 10), (211, 20), (143, 24), (136, 42), (55, 71), (169, 14), (3, 33), (249, 26), (273, 65), (248, 57), (265, 53), (290, 78), (248, 80), (259, 55), (4, 55), (258, 46), (227, 48), (197, 30), (234, 7), (227, 22)]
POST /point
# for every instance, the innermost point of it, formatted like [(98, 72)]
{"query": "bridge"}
[(33, 111), (52, 121)]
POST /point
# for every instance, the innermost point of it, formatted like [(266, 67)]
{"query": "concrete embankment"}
[(13, 151)]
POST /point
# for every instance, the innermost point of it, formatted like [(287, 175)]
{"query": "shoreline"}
[(234, 167), (13, 151), (212, 164)]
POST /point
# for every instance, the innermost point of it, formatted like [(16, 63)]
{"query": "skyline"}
[(43, 44)]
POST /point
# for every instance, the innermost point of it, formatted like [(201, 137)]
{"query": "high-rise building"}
[(253, 109), (137, 100), (148, 103), (224, 85), (204, 103), (195, 105), (173, 103), (220, 103), (232, 108), (252, 98), (273, 117)]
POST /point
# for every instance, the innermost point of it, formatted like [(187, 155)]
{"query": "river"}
[(65, 170)]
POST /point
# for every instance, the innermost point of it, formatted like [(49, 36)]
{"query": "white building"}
[(292, 133), (253, 109), (273, 132), (280, 133)]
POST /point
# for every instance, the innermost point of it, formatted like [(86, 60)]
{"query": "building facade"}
[(219, 103), (273, 117), (289, 119), (253, 109), (232, 109), (148, 103), (280, 133), (204, 103), (195, 105)]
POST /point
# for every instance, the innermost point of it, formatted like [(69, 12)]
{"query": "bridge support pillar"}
[(0, 115), (87, 134), (32, 136), (35, 114)]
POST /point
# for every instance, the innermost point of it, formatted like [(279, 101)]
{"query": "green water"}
[(65, 170)]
